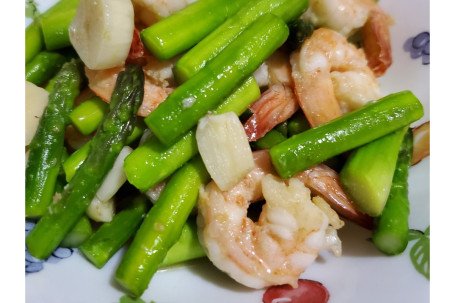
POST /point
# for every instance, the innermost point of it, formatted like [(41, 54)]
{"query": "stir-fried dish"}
[(246, 131)]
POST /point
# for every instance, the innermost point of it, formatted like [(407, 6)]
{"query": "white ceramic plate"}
[(361, 275)]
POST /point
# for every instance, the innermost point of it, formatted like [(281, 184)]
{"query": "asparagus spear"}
[(75, 160), (204, 91), (88, 115), (152, 162), (390, 234), (46, 147), (178, 32), (33, 40), (55, 23), (78, 234), (43, 67), (368, 172), (347, 132), (161, 227), (105, 147), (111, 236), (212, 45), (187, 247)]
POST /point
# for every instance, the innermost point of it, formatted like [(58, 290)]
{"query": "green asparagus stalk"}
[(111, 236), (345, 133), (161, 227), (390, 234), (186, 248), (152, 162), (368, 172), (88, 115), (43, 67), (272, 138), (180, 31), (105, 147), (55, 23), (212, 45), (75, 160), (204, 91), (78, 234), (46, 148), (297, 124), (33, 40)]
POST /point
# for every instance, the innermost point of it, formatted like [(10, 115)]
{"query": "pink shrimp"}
[(276, 249), (324, 181), (331, 77), (158, 76), (275, 105), (349, 16)]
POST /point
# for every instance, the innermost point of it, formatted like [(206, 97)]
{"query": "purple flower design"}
[(419, 46), (33, 264)]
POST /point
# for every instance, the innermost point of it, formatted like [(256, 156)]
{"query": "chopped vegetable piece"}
[(204, 91), (187, 247), (88, 115), (105, 147), (78, 234), (43, 67), (111, 236), (152, 162), (368, 172), (55, 23), (101, 210), (224, 148), (181, 30), (390, 234), (102, 32), (270, 139), (298, 124), (36, 99), (161, 227), (206, 50), (347, 132), (46, 147), (33, 40)]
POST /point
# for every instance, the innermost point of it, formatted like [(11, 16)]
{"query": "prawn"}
[(158, 84), (275, 250), (151, 11), (349, 16), (331, 77), (276, 105), (324, 181)]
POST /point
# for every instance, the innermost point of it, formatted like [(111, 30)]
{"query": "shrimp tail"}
[(276, 105), (376, 41), (324, 181)]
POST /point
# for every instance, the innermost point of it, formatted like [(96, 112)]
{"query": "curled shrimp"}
[(324, 181), (158, 84), (276, 249), (276, 105), (349, 16), (331, 77)]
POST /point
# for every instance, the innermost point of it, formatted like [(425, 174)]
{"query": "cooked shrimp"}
[(349, 16), (151, 11), (276, 249), (331, 77), (324, 181), (102, 82), (275, 105), (159, 80)]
